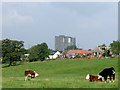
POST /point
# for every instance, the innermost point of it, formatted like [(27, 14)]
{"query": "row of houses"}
[(97, 52)]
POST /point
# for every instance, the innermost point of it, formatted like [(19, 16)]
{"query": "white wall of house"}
[(26, 55), (55, 55)]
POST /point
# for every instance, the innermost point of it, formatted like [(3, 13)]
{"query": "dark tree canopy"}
[(12, 50), (115, 47), (106, 53), (44, 51), (0, 48), (103, 45), (72, 47), (89, 49), (39, 52)]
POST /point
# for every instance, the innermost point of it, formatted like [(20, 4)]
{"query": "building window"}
[(69, 40), (95, 53), (103, 48), (99, 53), (63, 40)]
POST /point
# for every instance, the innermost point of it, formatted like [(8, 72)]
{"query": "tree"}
[(84, 56), (12, 50), (33, 51), (43, 51), (103, 54), (0, 49), (106, 53), (73, 47), (103, 45), (89, 49), (115, 47), (77, 56), (39, 52)]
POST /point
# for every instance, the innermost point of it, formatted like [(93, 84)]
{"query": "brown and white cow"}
[(93, 78), (30, 73)]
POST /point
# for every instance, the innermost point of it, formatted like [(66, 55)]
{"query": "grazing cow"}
[(108, 72), (30, 73), (93, 78)]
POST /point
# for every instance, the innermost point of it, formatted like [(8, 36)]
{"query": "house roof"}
[(100, 49), (96, 49), (53, 52), (79, 51)]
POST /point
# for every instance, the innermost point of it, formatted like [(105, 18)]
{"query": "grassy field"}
[(0, 77), (59, 74)]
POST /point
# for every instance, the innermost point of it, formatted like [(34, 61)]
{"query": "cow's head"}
[(99, 76), (36, 74), (88, 76), (113, 71)]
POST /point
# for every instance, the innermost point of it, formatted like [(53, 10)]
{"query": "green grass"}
[(59, 74), (0, 77)]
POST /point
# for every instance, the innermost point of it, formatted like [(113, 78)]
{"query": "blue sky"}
[(91, 23)]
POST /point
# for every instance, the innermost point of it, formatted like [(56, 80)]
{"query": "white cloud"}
[(13, 17), (91, 26)]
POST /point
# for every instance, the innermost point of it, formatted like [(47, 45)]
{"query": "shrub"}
[(77, 56), (84, 56)]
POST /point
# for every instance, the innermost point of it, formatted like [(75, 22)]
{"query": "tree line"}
[(12, 50)]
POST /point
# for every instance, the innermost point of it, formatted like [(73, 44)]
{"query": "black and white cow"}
[(108, 72)]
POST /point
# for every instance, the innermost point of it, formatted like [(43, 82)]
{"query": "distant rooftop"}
[(79, 51), (53, 52)]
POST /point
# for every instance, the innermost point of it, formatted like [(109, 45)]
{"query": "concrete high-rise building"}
[(62, 41)]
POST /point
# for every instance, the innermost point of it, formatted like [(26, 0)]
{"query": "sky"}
[(91, 23)]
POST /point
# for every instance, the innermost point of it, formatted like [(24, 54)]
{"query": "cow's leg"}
[(32, 77), (110, 78), (26, 77), (113, 77), (105, 78)]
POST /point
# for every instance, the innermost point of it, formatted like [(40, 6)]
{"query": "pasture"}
[(59, 74)]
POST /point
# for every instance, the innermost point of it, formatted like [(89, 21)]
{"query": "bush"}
[(77, 56), (84, 56), (58, 57), (103, 54)]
